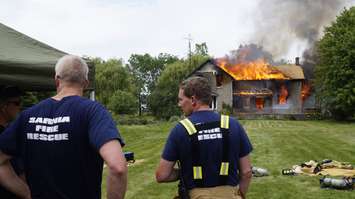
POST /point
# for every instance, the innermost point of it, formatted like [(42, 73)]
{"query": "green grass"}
[(277, 145)]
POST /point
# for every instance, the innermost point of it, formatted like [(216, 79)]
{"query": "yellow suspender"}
[(224, 169), (197, 170), (224, 165), (188, 126), (225, 121)]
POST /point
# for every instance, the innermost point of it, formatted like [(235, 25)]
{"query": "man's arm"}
[(10, 180), (112, 153), (166, 171), (245, 175)]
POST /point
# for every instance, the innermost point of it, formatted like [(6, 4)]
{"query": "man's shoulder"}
[(39, 106), (178, 126)]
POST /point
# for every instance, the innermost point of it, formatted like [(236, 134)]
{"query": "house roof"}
[(200, 66), (291, 70), (209, 61)]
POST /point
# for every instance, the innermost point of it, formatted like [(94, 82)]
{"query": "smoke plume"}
[(284, 23)]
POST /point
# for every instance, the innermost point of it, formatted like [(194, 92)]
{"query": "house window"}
[(219, 80), (213, 104)]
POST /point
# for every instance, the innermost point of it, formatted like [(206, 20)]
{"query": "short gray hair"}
[(72, 69)]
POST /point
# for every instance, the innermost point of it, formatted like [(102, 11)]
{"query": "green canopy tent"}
[(28, 63)]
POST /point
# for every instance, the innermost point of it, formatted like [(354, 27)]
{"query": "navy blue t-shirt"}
[(17, 166), (178, 147), (59, 142)]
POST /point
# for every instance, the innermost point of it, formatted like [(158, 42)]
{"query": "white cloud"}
[(118, 28), (109, 28)]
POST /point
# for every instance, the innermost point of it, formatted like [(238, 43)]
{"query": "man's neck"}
[(202, 108), (68, 91)]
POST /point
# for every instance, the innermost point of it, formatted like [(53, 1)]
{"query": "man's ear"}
[(57, 82), (193, 100), (86, 84)]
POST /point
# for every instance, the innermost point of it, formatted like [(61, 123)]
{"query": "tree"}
[(123, 102), (201, 49), (336, 69), (163, 99), (146, 70), (113, 84)]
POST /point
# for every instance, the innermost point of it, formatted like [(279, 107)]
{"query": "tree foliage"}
[(113, 84), (335, 73), (146, 69), (163, 99), (123, 102), (201, 49)]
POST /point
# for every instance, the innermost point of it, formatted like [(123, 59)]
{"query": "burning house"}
[(256, 87)]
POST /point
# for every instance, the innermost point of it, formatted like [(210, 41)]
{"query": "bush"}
[(122, 102), (226, 109), (133, 119)]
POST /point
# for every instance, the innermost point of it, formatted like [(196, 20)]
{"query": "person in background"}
[(64, 141), (211, 149), (10, 106)]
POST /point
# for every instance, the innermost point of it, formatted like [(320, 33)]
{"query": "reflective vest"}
[(213, 133)]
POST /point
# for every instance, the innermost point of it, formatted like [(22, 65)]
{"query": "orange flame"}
[(259, 103), (283, 95), (306, 91), (254, 92), (255, 70)]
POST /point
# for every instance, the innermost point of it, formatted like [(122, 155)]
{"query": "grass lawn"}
[(277, 145)]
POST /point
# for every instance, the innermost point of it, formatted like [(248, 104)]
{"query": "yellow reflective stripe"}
[(188, 126), (224, 169), (197, 172), (225, 121)]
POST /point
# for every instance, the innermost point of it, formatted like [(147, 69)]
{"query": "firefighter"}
[(10, 106), (64, 141), (212, 150)]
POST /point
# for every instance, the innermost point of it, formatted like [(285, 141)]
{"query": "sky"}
[(119, 28)]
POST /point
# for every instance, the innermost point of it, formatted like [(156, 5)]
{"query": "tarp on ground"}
[(28, 63)]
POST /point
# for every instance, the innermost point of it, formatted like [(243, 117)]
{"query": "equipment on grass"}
[(259, 172), (129, 156), (344, 183), (288, 172)]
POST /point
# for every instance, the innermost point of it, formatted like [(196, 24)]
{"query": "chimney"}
[(297, 61)]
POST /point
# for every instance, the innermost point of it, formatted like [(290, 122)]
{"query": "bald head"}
[(72, 69)]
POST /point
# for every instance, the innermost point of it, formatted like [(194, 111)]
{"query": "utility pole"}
[(189, 39)]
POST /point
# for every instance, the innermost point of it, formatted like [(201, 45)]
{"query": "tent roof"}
[(28, 63)]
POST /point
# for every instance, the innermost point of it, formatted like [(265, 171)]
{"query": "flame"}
[(254, 70), (259, 102), (246, 93), (283, 95), (254, 92), (306, 91)]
